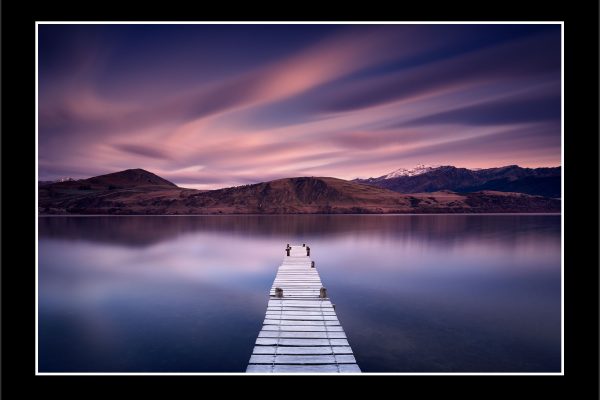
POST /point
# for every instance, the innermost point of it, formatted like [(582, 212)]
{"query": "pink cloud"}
[(354, 124)]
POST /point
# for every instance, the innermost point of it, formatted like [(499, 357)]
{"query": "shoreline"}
[(299, 214)]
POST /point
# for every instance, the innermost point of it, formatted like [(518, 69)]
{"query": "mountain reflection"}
[(142, 231), (415, 293)]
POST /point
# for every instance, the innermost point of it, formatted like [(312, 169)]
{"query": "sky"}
[(211, 106)]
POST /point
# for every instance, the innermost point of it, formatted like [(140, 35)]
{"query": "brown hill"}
[(117, 180), (302, 195)]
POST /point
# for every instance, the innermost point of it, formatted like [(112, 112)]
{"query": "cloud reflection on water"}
[(163, 293)]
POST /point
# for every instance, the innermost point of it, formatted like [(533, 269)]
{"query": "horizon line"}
[(179, 185)]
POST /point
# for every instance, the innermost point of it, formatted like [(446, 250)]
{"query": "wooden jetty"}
[(301, 332)]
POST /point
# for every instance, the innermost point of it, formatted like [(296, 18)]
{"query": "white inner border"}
[(562, 225)]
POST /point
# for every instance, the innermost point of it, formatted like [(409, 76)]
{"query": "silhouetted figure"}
[(307, 251)]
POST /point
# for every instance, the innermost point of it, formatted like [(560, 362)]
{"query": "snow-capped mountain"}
[(63, 179), (510, 178), (418, 170)]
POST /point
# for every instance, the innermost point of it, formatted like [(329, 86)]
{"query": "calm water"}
[(188, 294)]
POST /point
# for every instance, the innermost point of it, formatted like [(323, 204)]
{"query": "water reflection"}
[(414, 293), (144, 231)]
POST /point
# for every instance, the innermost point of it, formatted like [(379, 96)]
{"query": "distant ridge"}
[(512, 178), (137, 191)]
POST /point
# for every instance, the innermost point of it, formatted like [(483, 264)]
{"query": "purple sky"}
[(209, 106)]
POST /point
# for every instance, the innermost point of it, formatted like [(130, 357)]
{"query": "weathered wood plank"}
[(304, 317), (297, 359), (301, 342), (306, 368), (313, 359), (291, 292), (301, 335), (316, 302), (317, 313), (277, 322), (284, 308), (303, 369), (297, 277), (262, 359), (303, 303), (265, 350), (292, 296), (306, 350), (303, 286), (345, 359), (328, 312), (297, 284), (349, 368), (299, 287), (259, 368), (308, 273), (302, 328), (296, 280), (303, 272)]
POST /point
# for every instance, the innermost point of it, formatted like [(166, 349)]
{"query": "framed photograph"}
[(277, 197), (429, 152)]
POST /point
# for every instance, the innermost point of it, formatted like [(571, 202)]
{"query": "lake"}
[(414, 293)]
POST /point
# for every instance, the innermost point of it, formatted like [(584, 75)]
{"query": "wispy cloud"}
[(341, 101)]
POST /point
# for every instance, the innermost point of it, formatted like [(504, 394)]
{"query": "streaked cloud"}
[(345, 101), (141, 150)]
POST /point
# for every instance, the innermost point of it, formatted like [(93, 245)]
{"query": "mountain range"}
[(534, 181), (136, 191)]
